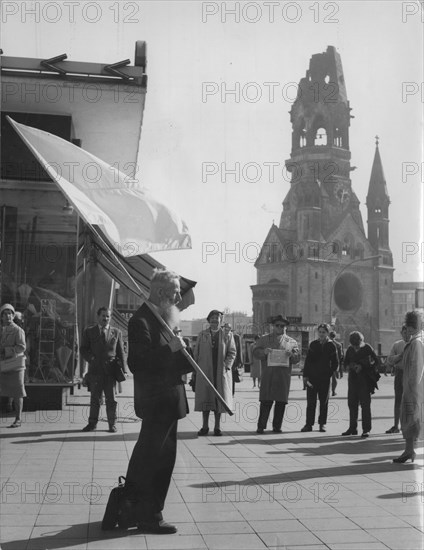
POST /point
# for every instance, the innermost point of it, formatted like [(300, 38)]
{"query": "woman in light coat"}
[(12, 361), (215, 352), (412, 405)]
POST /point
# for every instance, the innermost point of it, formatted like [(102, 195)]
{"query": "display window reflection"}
[(38, 270)]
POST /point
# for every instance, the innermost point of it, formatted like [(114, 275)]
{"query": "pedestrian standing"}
[(158, 364), (394, 360), (277, 353), (100, 345), (214, 352), (339, 372), (12, 361), (255, 365), (320, 364), (363, 365), (412, 405)]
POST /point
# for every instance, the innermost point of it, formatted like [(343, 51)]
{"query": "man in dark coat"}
[(320, 363), (100, 344), (156, 360), (339, 373), (238, 361)]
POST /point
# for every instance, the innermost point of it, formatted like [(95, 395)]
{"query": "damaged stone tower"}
[(318, 264)]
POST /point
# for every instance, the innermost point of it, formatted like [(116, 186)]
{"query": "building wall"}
[(100, 112)]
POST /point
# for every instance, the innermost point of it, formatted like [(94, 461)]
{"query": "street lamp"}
[(341, 271)]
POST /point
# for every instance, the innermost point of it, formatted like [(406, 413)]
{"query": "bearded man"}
[(157, 363)]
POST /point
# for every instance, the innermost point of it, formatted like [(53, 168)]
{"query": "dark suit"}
[(320, 363), (238, 361), (340, 359), (160, 400), (98, 351)]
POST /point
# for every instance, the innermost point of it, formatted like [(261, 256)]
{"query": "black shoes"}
[(306, 428), (277, 430), (217, 431), (203, 431), (156, 527), (404, 457), (322, 428), (113, 429), (365, 434), (89, 428), (350, 431), (260, 431), (393, 430)]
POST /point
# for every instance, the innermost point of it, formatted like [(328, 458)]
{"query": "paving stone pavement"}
[(300, 491)]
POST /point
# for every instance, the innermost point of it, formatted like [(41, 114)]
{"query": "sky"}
[(222, 79)]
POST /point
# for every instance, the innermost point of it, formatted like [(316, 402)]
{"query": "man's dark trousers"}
[(156, 451), (265, 409), (359, 393), (320, 390), (100, 383), (398, 383)]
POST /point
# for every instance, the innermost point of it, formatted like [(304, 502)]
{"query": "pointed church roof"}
[(377, 188)]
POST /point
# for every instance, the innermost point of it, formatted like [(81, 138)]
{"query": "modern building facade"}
[(405, 298), (319, 263), (54, 268)]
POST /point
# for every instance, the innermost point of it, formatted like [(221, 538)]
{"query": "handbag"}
[(236, 374), (117, 370), (13, 364), (120, 510)]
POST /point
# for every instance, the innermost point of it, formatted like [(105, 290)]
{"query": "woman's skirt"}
[(12, 384)]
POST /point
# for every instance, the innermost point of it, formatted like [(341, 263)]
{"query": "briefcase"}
[(120, 510), (117, 370)]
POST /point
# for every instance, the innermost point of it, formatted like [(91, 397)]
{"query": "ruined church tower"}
[(318, 263)]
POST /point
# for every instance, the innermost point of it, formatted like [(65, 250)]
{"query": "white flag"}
[(131, 219)]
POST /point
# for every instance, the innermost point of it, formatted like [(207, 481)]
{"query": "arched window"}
[(348, 248), (320, 137)]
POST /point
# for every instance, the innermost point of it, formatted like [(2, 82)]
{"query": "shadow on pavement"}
[(304, 475), (70, 536)]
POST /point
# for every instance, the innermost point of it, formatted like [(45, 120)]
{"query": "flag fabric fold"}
[(132, 220)]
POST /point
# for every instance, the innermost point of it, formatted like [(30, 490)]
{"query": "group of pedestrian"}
[(159, 362), (363, 366)]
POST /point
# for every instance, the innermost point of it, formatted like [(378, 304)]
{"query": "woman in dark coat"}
[(276, 372), (362, 363), (320, 364)]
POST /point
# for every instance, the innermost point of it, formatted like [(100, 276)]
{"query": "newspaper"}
[(281, 357)]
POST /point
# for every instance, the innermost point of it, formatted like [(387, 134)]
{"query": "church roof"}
[(377, 188)]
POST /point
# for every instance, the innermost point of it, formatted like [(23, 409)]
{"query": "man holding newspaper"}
[(277, 352)]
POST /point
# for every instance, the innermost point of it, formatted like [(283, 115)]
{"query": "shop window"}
[(38, 260)]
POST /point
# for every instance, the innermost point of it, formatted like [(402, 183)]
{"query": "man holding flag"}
[(157, 362)]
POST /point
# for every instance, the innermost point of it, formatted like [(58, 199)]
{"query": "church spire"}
[(377, 189), (378, 204)]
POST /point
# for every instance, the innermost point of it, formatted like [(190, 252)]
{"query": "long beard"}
[(170, 314)]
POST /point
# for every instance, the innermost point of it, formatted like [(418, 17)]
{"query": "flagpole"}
[(54, 175), (168, 329)]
